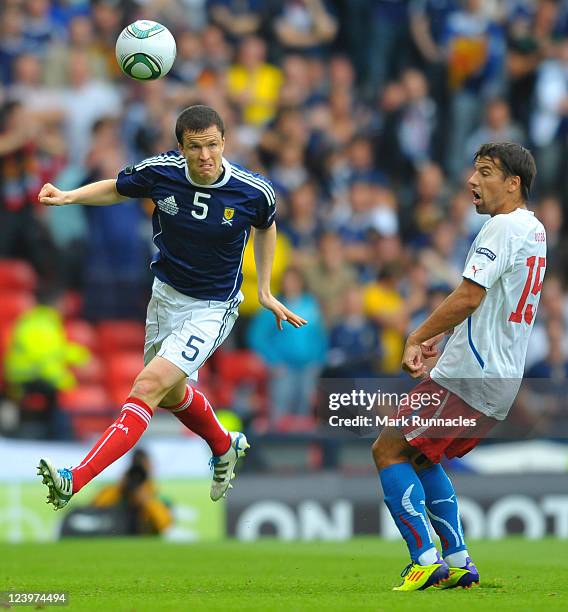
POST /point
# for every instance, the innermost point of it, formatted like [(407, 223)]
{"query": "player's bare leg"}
[(174, 396), (405, 499), (193, 409), (150, 386)]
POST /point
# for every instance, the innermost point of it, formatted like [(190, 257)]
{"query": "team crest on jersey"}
[(228, 215), (168, 205)]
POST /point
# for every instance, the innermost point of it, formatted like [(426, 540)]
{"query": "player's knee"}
[(149, 387), (380, 452), (174, 396), (385, 453), (420, 462)]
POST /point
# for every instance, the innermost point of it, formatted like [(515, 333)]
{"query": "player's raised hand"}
[(281, 313), (412, 361), (49, 195)]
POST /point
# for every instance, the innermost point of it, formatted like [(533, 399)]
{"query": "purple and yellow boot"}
[(464, 577)]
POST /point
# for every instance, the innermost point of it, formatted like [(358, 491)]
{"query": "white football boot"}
[(59, 483), (224, 465)]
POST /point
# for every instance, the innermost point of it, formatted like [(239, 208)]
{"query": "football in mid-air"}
[(145, 50)]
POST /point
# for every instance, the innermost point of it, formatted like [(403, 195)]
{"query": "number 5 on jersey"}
[(528, 313), (202, 206)]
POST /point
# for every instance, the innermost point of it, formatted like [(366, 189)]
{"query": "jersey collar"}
[(224, 177)]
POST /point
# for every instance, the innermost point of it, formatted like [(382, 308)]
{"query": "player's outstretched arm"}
[(264, 246), (101, 193), (455, 309)]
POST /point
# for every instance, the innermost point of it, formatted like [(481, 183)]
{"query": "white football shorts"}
[(184, 330)]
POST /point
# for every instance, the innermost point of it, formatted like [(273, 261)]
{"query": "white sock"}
[(429, 557), (458, 559)]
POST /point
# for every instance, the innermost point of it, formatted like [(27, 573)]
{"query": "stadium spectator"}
[(190, 60), (361, 160), (554, 303), (542, 404), (555, 365), (385, 251), (295, 363), (528, 39), (237, 18), (475, 49), (289, 172), (38, 365), (216, 51), (389, 42), (369, 208), (549, 119), (298, 89), (144, 511), (440, 258), (549, 211), (289, 127), (80, 38), (385, 305), (304, 25), (417, 121), (303, 226), (429, 205), (354, 20), (83, 102), (253, 84), (116, 279), (28, 89), (23, 232), (354, 347), (147, 122), (428, 22), (497, 126), (341, 73), (436, 294), (173, 14), (329, 276), (107, 18), (40, 30), (12, 40)]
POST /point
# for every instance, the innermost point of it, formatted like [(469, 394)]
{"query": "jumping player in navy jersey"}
[(205, 210)]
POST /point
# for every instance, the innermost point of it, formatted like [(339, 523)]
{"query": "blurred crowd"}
[(365, 114)]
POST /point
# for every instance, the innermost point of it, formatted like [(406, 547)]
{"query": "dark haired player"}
[(477, 376), (205, 209)]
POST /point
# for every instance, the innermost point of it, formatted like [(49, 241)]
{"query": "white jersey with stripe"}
[(484, 359)]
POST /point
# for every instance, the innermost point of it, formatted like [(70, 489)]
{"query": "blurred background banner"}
[(365, 115), (24, 517), (335, 507), (179, 465)]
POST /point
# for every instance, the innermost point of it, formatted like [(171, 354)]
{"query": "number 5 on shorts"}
[(194, 348)]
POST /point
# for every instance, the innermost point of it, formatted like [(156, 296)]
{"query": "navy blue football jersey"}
[(200, 230)]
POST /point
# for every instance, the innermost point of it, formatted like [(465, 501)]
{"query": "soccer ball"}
[(145, 50)]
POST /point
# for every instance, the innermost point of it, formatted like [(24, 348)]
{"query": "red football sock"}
[(195, 412), (118, 439)]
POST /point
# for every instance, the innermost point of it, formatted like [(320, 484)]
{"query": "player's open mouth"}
[(476, 197)]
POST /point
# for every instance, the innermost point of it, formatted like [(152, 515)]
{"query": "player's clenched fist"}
[(51, 196)]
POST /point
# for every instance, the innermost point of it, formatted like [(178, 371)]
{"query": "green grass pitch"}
[(142, 574)]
